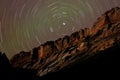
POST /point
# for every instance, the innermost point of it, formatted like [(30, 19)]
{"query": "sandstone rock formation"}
[(53, 56)]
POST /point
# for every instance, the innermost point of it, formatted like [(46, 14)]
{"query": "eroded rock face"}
[(109, 18), (56, 55), (21, 58)]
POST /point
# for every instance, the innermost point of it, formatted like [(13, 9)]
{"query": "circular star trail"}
[(25, 24)]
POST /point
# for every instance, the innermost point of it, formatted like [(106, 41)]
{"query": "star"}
[(63, 23)]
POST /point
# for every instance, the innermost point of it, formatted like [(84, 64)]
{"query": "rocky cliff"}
[(62, 53)]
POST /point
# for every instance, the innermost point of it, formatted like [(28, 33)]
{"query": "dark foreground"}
[(104, 64)]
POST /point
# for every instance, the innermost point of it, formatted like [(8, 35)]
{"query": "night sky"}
[(25, 24)]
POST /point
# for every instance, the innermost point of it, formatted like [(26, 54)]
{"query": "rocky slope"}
[(54, 56)]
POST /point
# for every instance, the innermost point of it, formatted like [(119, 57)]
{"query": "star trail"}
[(25, 24)]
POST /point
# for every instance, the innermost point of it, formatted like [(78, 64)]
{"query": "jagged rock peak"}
[(110, 17), (55, 55), (51, 47)]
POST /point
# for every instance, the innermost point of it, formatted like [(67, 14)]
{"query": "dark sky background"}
[(25, 24)]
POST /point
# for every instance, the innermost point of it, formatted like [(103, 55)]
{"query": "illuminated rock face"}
[(110, 17), (30, 23), (53, 56)]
